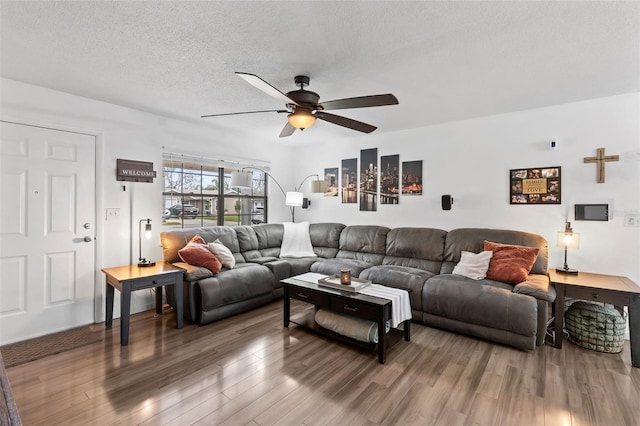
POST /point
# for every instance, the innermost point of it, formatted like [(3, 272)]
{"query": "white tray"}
[(357, 284)]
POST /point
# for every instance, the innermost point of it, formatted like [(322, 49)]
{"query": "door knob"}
[(87, 225), (87, 239)]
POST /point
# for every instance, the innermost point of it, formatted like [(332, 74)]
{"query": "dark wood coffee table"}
[(353, 304)]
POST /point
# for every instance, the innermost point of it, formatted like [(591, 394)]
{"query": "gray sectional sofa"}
[(420, 259)]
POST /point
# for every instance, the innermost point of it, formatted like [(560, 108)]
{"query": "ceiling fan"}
[(304, 108)]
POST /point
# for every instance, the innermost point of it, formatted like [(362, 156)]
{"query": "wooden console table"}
[(129, 278), (616, 290)]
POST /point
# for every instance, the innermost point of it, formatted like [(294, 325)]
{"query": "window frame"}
[(253, 202)]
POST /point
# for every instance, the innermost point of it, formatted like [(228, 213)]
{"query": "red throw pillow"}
[(510, 264), (197, 253)]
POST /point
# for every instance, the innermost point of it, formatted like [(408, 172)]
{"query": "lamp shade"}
[(568, 239), (241, 179), (301, 119), (317, 186), (294, 199)]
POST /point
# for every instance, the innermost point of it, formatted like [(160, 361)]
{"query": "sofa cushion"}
[(197, 253), (473, 265), (472, 239), (333, 266), (479, 302), (400, 277), (247, 238), (325, 238), (244, 282), (262, 259), (175, 239), (269, 237), (366, 243), (265, 240), (299, 265), (510, 263), (415, 247)]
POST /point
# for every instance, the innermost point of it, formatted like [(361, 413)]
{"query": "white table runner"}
[(400, 305)]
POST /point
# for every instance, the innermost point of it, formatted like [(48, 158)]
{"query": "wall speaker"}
[(447, 201), (306, 203)]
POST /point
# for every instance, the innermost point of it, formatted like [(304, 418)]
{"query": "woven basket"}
[(595, 327)]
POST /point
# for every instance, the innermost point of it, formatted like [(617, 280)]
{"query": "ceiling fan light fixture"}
[(301, 119)]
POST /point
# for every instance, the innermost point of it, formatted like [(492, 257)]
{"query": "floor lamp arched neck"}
[(292, 199)]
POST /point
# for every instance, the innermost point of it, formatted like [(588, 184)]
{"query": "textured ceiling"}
[(445, 61)]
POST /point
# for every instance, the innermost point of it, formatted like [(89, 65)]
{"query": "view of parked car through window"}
[(183, 210)]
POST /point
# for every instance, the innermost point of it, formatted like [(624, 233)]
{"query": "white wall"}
[(134, 135), (471, 160)]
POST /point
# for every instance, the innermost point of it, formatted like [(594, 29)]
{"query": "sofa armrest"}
[(538, 286), (193, 273), (262, 260), (280, 269)]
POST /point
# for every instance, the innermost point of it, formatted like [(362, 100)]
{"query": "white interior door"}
[(47, 229)]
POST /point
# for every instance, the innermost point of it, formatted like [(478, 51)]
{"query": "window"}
[(198, 193)]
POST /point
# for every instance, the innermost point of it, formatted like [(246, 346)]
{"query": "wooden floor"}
[(248, 370)]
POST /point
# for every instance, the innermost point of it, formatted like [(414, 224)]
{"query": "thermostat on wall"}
[(592, 212)]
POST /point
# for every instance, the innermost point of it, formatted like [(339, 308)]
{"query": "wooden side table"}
[(129, 278), (617, 290)]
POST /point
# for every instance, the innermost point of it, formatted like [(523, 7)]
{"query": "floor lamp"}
[(292, 199)]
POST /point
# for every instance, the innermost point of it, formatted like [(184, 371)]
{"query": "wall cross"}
[(600, 159)]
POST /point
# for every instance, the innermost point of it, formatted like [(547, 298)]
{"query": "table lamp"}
[(568, 240), (142, 262)]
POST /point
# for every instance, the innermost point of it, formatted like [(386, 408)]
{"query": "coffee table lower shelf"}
[(356, 305), (306, 320)]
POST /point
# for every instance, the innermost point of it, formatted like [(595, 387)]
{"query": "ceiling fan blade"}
[(287, 130), (259, 83), (360, 102), (245, 112), (345, 122)]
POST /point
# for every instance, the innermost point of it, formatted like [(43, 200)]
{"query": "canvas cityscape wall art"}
[(368, 179), (331, 178), (349, 181), (412, 177), (389, 179)]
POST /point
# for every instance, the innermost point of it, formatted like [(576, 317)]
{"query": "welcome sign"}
[(134, 171)]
